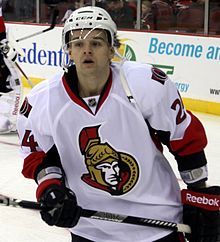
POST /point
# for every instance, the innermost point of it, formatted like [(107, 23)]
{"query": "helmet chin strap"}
[(65, 65)]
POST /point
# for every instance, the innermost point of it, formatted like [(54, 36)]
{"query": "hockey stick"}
[(53, 23), (28, 79), (112, 217), (13, 202)]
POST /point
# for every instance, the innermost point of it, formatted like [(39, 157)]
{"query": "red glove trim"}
[(201, 200), (44, 185)]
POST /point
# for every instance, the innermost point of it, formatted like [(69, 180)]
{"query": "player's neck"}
[(92, 85)]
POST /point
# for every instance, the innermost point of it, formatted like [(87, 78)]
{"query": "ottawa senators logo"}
[(109, 170)]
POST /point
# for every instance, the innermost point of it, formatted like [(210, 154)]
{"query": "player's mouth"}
[(88, 61)]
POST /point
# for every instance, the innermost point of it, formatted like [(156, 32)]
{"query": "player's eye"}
[(77, 43), (96, 43)]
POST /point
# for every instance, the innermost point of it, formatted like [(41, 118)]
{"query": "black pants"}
[(173, 237)]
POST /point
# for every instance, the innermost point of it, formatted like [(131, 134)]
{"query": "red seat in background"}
[(214, 20), (191, 19), (163, 15)]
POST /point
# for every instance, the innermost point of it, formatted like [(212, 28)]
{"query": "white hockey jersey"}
[(110, 159)]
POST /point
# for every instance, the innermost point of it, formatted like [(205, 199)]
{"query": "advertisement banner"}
[(192, 62)]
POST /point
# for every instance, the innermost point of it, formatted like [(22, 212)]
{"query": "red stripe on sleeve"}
[(31, 163), (194, 139)]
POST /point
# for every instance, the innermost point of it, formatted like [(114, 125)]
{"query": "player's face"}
[(90, 50), (111, 172)]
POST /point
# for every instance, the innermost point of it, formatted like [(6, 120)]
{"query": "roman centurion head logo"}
[(108, 169)]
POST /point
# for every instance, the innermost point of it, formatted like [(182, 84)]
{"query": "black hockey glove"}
[(201, 212), (60, 206)]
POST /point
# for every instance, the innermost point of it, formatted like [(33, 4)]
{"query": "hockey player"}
[(10, 83), (92, 138)]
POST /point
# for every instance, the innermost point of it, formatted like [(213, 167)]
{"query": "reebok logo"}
[(209, 202), (16, 107), (202, 200)]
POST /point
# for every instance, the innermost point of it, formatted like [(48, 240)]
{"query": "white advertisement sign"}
[(192, 62)]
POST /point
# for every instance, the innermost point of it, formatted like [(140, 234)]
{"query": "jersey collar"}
[(70, 82)]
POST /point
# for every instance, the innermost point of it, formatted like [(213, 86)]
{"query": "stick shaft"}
[(119, 218), (13, 202), (53, 23), (28, 80), (106, 216)]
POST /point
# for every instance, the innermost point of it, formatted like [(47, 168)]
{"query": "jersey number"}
[(181, 115), (29, 141)]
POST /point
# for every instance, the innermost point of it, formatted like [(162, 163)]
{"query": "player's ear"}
[(112, 53), (70, 54)]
